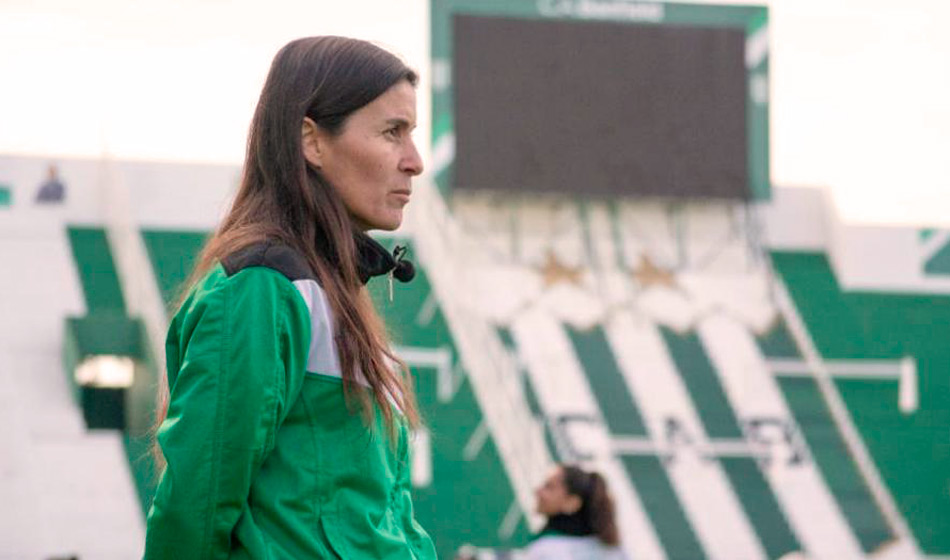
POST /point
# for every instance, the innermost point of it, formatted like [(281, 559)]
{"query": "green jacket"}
[(264, 458)]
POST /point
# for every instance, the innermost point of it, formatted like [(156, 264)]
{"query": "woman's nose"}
[(411, 162)]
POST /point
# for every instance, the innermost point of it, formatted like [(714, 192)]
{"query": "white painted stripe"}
[(701, 485), (441, 74), (757, 47), (421, 458), (562, 389), (901, 549), (733, 448), (439, 359), (759, 88), (510, 521), (476, 441), (139, 280), (323, 358), (903, 371), (753, 393), (908, 394), (448, 378), (631, 445), (427, 310), (849, 369), (443, 152)]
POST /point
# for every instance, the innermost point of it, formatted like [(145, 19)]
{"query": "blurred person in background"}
[(581, 524), (287, 418), (51, 190)]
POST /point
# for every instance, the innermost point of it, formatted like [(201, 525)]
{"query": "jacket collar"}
[(372, 259)]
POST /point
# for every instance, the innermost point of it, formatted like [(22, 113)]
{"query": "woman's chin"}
[(388, 223), (384, 223)]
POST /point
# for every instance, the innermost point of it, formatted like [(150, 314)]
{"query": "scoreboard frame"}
[(753, 20)]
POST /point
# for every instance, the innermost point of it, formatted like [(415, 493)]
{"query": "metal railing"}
[(842, 418), (492, 371), (136, 274)]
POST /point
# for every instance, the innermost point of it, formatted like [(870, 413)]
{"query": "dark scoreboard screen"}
[(599, 108)]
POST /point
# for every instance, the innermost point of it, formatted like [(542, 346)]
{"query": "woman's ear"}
[(571, 504), (310, 140)]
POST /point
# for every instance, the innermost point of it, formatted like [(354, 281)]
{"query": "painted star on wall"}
[(553, 271), (649, 274)]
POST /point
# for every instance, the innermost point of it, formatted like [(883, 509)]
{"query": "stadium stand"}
[(750, 397)]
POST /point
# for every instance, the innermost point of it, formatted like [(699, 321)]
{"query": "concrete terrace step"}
[(64, 490)]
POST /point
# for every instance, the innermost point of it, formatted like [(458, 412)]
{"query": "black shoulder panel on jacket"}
[(281, 258)]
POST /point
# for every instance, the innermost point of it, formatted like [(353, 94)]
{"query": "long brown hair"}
[(597, 507), (283, 199)]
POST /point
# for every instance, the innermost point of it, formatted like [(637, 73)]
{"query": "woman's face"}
[(372, 160), (553, 497)]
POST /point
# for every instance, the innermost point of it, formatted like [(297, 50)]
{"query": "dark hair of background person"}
[(597, 507), (282, 199)]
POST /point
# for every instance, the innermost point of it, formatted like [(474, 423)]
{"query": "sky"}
[(859, 88)]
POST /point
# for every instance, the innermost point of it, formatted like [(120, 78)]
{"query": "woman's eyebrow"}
[(401, 122)]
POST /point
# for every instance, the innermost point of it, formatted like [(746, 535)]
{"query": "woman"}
[(580, 513), (287, 424)]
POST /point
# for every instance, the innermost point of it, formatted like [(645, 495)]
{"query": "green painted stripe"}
[(702, 382), (719, 421), (758, 20), (173, 255), (840, 329), (879, 418), (105, 332), (506, 339), (833, 459), (761, 506), (610, 389), (939, 263), (715, 16), (97, 271), (661, 504), (778, 342), (6, 196)]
